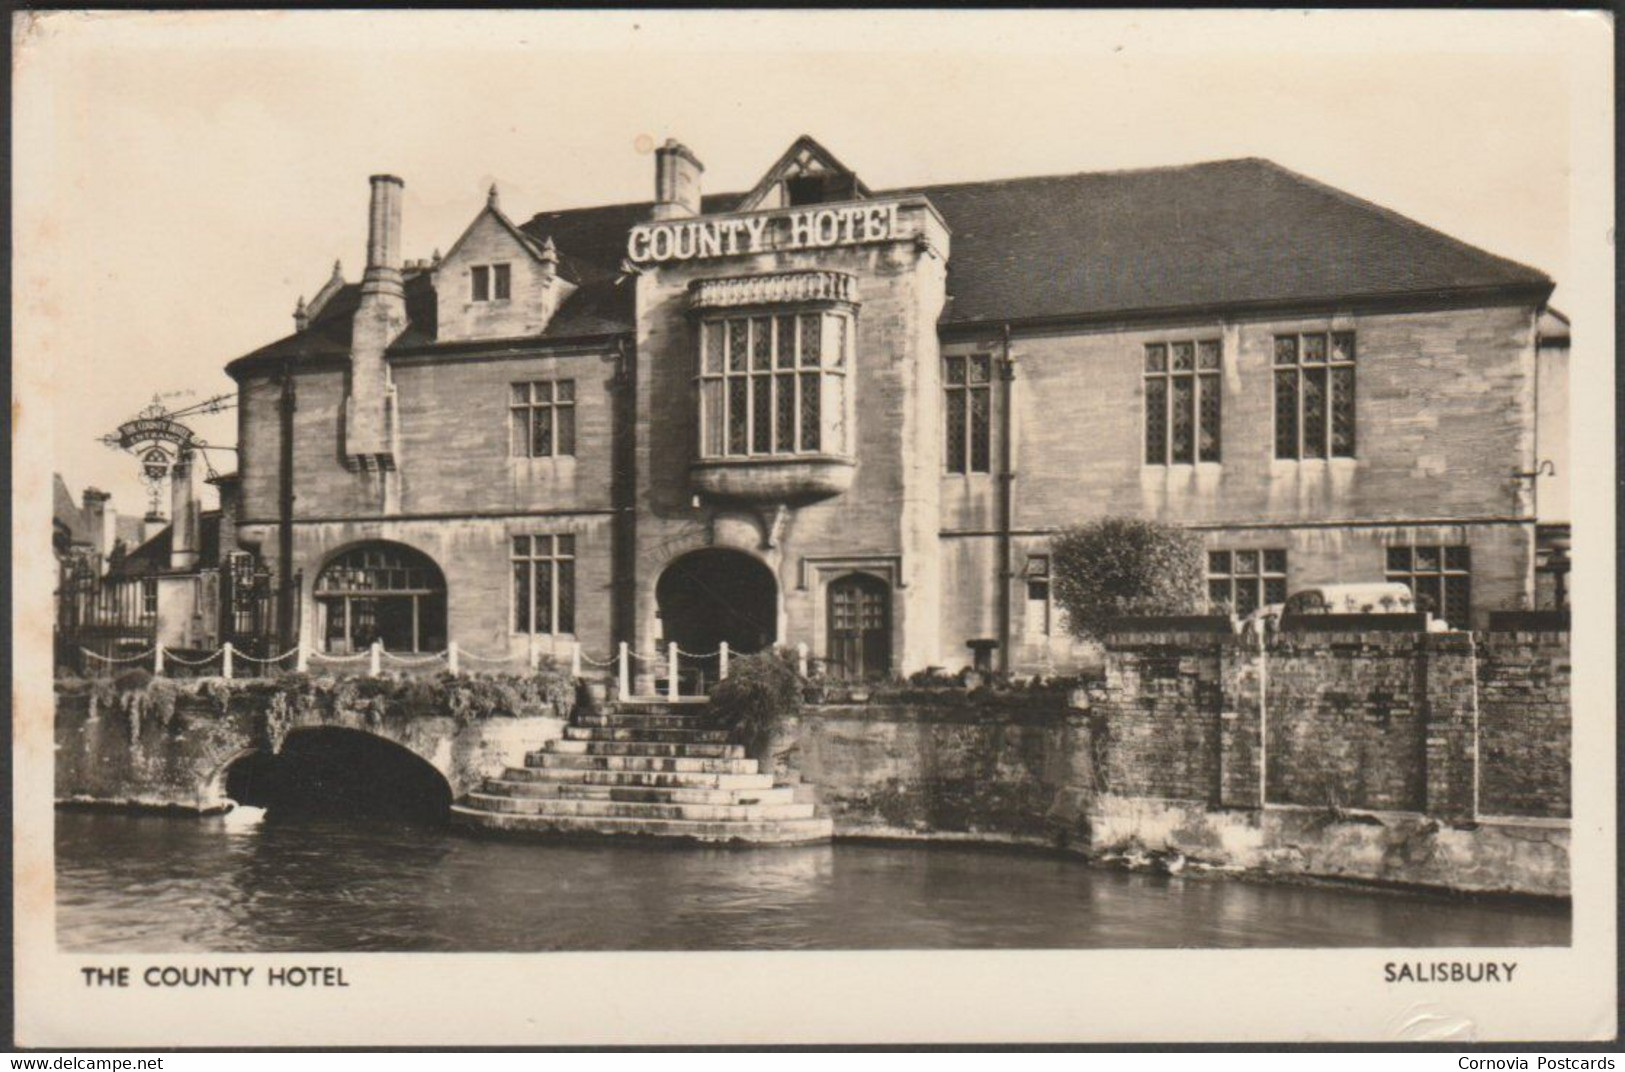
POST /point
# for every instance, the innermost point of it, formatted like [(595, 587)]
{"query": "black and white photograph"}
[(1124, 499)]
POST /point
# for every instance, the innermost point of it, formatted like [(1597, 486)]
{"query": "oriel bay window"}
[(775, 384), (1182, 398), (1314, 395), (544, 584)]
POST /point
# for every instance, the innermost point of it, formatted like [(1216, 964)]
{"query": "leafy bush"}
[(1124, 566), (759, 692)]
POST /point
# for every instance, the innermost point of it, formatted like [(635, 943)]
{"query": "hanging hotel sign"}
[(150, 430), (819, 228)]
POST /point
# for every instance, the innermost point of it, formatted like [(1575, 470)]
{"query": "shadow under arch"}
[(712, 595), (335, 772)]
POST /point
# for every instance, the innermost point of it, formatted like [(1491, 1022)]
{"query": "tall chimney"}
[(379, 320), (100, 519), (183, 512), (677, 181)]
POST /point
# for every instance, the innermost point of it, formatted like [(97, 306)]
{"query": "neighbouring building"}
[(819, 413)]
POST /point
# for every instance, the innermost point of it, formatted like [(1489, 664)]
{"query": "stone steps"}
[(616, 809), (637, 793), (622, 733), (671, 764), (650, 769), (763, 832), (646, 779), (693, 750)]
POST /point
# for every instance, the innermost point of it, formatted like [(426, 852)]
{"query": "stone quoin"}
[(816, 413)]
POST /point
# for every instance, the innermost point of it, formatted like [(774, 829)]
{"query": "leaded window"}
[(543, 419), (544, 584), (1242, 581), (1182, 401), (774, 384), (968, 405), (1314, 395), (1439, 577)]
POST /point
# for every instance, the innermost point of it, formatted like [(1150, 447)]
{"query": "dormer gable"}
[(496, 281), (807, 174)]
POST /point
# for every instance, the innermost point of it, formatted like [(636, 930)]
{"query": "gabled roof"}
[(152, 556), (804, 157), (66, 514), (1226, 234)]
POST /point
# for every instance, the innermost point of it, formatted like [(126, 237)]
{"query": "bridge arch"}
[(339, 771)]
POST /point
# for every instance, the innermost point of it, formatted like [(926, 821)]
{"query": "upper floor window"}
[(543, 419), (492, 282), (774, 384), (544, 584), (1314, 395), (1439, 577), (968, 402), (1182, 402), (1243, 581)]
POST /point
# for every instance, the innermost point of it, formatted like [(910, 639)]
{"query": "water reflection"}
[(170, 885)]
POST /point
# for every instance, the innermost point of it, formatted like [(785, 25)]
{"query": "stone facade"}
[(1445, 416)]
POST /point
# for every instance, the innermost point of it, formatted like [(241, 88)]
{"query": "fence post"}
[(157, 660), (722, 660), (671, 670), (624, 674), (575, 659), (451, 657), (801, 659), (376, 653), (225, 660), (301, 659)]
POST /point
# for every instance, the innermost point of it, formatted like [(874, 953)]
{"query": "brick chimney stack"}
[(379, 320), (677, 181)]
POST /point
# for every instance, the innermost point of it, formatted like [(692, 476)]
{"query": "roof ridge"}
[(1397, 217), (1013, 179)]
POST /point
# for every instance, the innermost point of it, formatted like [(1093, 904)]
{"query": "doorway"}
[(859, 608), (707, 597)]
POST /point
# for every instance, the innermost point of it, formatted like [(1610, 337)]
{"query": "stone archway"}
[(337, 771), (716, 595), (383, 591)]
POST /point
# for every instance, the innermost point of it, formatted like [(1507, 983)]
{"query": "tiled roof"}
[(152, 556), (66, 514), (1227, 234)]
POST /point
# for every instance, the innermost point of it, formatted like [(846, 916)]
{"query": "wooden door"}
[(859, 628)]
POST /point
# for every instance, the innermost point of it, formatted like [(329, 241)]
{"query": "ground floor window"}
[(1038, 596), (544, 584), (382, 592), (1242, 581), (1439, 577)]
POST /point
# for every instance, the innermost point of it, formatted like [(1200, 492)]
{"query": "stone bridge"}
[(152, 750)]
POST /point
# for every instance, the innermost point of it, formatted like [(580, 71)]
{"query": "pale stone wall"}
[(537, 290)]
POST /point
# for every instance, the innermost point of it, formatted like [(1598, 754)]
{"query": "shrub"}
[(1122, 566), (759, 692)]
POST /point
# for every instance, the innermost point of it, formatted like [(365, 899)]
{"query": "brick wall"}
[(1524, 724), (1376, 721)]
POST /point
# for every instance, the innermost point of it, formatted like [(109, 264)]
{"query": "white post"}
[(722, 660), (377, 653), (157, 660), (533, 654), (801, 659), (575, 659), (301, 659), (624, 681), (451, 657), (671, 670), (225, 659)]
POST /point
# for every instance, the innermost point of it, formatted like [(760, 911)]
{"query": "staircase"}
[(644, 768)]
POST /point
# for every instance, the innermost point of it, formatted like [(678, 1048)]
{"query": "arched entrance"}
[(333, 772), (381, 591), (715, 595), (859, 609)]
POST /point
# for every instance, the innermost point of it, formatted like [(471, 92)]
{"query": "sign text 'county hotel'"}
[(810, 229)]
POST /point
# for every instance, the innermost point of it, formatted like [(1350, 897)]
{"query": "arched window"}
[(385, 592)]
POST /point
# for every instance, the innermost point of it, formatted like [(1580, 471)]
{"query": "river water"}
[(161, 885)]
